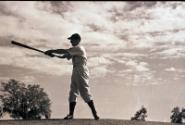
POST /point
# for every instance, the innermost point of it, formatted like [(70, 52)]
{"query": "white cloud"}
[(138, 66), (100, 71), (141, 79), (34, 24), (142, 25), (98, 61), (142, 68), (99, 66), (176, 52), (171, 69), (38, 23), (15, 57)]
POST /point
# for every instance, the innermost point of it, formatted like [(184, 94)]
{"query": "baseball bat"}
[(32, 48), (26, 46)]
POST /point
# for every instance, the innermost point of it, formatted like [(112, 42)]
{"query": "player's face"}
[(74, 42)]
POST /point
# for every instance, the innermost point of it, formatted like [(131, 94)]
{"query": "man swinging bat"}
[(80, 75)]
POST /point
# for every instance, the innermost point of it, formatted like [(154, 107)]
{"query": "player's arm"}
[(59, 51), (67, 55)]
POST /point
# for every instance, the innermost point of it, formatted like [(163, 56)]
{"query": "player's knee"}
[(72, 99), (86, 98)]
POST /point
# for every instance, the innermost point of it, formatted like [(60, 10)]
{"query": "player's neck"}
[(75, 45)]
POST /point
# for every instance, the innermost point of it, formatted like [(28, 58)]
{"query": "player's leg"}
[(86, 95), (91, 105), (72, 98), (71, 110)]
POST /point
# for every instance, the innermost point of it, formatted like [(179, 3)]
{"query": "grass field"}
[(80, 122)]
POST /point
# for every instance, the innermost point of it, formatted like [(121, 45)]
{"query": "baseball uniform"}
[(80, 75)]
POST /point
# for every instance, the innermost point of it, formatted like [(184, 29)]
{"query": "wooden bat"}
[(32, 48), (26, 46)]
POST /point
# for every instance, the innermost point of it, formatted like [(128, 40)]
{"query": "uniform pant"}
[(79, 85)]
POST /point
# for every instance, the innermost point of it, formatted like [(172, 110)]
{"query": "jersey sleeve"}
[(75, 51)]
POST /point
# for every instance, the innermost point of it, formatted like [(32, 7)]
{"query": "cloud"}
[(96, 61), (139, 73), (54, 27), (177, 52), (108, 30), (135, 5), (138, 66), (175, 70), (57, 7), (99, 72), (37, 24), (44, 64), (172, 69), (99, 66)]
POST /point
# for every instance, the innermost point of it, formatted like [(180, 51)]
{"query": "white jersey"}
[(79, 57), (80, 75)]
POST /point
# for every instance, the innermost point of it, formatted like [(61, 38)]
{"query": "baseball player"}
[(80, 75)]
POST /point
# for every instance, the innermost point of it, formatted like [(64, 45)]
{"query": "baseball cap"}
[(75, 36)]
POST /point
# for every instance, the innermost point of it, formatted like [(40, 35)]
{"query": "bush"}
[(24, 102), (140, 115), (177, 115)]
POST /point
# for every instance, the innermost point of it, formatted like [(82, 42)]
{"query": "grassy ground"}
[(79, 122)]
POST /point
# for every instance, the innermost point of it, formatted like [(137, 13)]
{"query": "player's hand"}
[(49, 53), (67, 55)]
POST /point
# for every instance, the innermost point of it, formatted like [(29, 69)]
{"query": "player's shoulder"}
[(80, 47)]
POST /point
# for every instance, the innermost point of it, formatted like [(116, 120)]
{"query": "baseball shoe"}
[(68, 117), (96, 117)]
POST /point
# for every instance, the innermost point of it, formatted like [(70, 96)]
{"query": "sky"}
[(135, 50)]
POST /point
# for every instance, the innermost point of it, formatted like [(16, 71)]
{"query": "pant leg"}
[(74, 91), (84, 89)]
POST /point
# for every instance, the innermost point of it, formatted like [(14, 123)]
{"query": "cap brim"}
[(69, 38)]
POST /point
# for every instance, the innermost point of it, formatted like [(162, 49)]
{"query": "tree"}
[(24, 102), (1, 111), (140, 115), (183, 113), (177, 115)]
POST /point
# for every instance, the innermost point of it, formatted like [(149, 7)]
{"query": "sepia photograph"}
[(92, 62)]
